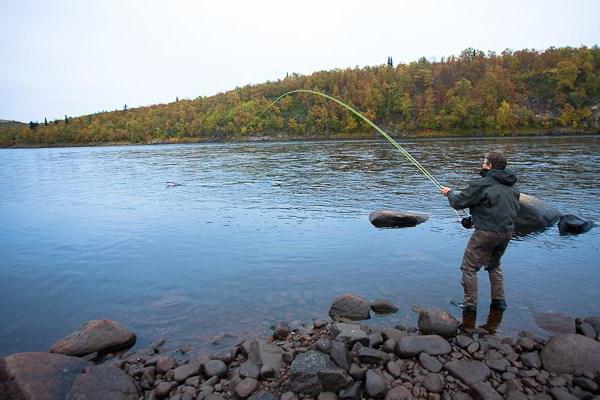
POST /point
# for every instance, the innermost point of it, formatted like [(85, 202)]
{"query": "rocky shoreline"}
[(328, 359)]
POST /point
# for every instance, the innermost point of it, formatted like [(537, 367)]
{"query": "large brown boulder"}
[(437, 322), (396, 219), (534, 215), (46, 376), (101, 336), (350, 306), (571, 353)]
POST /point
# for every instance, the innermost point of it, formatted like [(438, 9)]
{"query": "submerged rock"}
[(383, 306), (350, 306), (572, 224), (437, 322), (396, 219), (101, 336), (534, 215), (555, 322)]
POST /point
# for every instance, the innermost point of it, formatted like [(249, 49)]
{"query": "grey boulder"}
[(411, 346), (437, 322), (314, 372), (350, 306), (571, 353), (534, 215), (101, 336), (383, 306), (572, 224), (396, 219)]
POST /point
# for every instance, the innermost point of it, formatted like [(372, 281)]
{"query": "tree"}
[(390, 62), (45, 122)]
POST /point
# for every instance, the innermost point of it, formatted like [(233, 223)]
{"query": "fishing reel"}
[(467, 222)]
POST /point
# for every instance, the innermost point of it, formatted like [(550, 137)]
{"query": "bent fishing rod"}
[(402, 150)]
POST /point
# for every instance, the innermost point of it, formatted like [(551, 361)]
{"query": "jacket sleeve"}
[(469, 197)]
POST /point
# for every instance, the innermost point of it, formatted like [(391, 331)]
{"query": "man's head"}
[(494, 160)]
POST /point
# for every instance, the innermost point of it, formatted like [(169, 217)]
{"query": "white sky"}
[(80, 56)]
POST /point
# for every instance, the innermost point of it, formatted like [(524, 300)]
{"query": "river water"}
[(263, 232)]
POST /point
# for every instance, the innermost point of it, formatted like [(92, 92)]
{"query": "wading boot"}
[(498, 304)]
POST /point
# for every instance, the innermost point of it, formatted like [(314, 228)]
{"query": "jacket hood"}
[(504, 176)]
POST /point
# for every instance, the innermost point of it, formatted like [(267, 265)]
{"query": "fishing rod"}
[(404, 152)]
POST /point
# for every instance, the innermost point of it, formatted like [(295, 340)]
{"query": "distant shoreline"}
[(282, 137)]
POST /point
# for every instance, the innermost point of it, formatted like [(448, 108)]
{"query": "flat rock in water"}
[(101, 336), (555, 322), (570, 353), (350, 306), (437, 322), (411, 346), (396, 219), (262, 353), (572, 224), (56, 376), (314, 372), (469, 371), (383, 306), (534, 215)]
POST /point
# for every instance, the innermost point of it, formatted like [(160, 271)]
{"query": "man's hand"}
[(445, 190)]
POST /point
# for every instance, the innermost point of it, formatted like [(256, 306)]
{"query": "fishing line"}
[(404, 152)]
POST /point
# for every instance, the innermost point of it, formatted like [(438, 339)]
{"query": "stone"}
[(411, 346), (249, 369), (461, 396), (323, 345), (102, 382), (289, 396), (434, 383), (100, 336), (573, 225), (267, 372), (313, 372), (595, 322), (349, 333), (393, 333), (184, 371), (430, 363), (569, 353), (375, 339), (588, 330), (281, 331), (357, 372), (163, 389), (164, 363), (375, 384), (526, 343), (246, 387), (499, 364), (327, 396), (215, 368), (514, 395), (262, 353), (437, 322), (555, 322), (263, 395), (396, 219), (531, 359), (352, 392), (389, 346), (398, 392), (350, 306), (485, 391), (463, 341), (586, 384), (340, 355), (534, 215), (383, 306), (470, 372), (368, 355), (561, 394)]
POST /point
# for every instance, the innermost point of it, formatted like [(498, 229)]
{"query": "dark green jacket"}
[(492, 200)]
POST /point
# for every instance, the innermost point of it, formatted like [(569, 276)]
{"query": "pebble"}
[(246, 387), (434, 383), (430, 363), (215, 368), (375, 385)]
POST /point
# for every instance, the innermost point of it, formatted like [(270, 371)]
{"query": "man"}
[(493, 201)]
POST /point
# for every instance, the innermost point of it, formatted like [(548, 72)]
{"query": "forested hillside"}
[(474, 93)]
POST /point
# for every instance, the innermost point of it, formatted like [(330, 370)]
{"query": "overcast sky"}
[(77, 57)]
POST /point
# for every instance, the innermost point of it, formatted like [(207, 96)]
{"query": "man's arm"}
[(469, 197)]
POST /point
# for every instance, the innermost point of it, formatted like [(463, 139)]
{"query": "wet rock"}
[(357, 372), (595, 322), (267, 372), (437, 322), (289, 396), (470, 372), (572, 224), (561, 394), (586, 384), (352, 392), (434, 383), (350, 306), (484, 391), (383, 306), (327, 396), (463, 341), (371, 356), (163, 389), (340, 355), (249, 369), (262, 395), (281, 331), (165, 363), (588, 330), (323, 345), (398, 393), (103, 382), (246, 387), (262, 353), (555, 322), (215, 368), (569, 353), (430, 363), (101, 336), (314, 372), (532, 360), (349, 333), (534, 215), (396, 219), (411, 346), (185, 371), (375, 339), (375, 384)]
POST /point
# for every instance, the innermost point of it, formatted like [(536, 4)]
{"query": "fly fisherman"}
[(493, 201)]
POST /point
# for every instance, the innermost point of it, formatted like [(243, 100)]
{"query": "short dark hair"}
[(496, 159)]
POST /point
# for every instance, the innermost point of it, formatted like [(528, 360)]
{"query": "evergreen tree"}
[(66, 119), (45, 122), (390, 63)]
